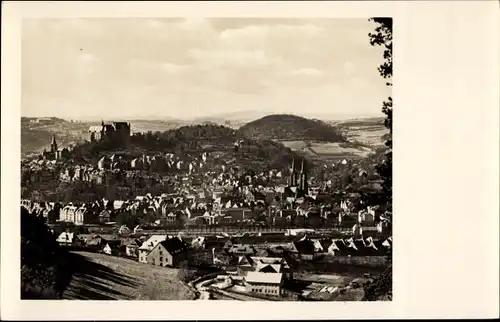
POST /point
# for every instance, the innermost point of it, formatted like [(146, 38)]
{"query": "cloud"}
[(189, 64), (306, 72), (259, 32), (174, 69), (213, 59)]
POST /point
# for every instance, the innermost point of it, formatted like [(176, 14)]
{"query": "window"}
[(161, 253), (161, 259)]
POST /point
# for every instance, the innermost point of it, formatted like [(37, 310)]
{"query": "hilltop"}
[(291, 127), (36, 133), (193, 140)]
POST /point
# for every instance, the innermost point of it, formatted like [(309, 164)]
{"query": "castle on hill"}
[(117, 132)]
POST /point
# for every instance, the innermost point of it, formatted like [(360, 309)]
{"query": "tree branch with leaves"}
[(382, 36)]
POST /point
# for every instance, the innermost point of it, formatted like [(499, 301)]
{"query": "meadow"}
[(102, 277)]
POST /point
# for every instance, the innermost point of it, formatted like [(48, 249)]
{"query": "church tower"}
[(53, 145), (293, 175), (303, 185)]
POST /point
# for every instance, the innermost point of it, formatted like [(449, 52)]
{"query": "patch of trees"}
[(42, 260)]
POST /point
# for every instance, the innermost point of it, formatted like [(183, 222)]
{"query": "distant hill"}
[(36, 133), (291, 127), (229, 144)]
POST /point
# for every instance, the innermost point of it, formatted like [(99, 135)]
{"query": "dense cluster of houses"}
[(260, 268), (222, 195), (192, 211)]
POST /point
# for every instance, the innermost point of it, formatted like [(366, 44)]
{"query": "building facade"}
[(269, 284), (168, 253), (116, 132)]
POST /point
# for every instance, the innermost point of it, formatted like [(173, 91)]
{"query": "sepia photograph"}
[(209, 160), (243, 159)]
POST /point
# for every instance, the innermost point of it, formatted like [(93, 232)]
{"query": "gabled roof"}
[(304, 246), (268, 268), (113, 243), (174, 245), (269, 278), (134, 242), (152, 241), (66, 237)]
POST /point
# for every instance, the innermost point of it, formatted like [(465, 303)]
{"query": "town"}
[(263, 231)]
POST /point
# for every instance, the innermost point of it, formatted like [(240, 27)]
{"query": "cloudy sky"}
[(184, 68)]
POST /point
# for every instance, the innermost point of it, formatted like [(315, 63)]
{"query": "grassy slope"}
[(103, 277)]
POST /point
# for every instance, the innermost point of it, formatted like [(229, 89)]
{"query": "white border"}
[(446, 93)]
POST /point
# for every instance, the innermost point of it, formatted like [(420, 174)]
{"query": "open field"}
[(328, 150), (102, 277)]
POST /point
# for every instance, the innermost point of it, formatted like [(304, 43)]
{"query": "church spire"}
[(303, 186), (53, 144)]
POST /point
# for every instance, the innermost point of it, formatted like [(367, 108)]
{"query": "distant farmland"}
[(327, 150)]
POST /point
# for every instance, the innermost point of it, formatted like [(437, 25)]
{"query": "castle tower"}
[(53, 145)]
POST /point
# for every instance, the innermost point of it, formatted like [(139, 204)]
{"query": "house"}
[(148, 246), (338, 248), (67, 213), (170, 252), (111, 247), (92, 241), (236, 214), (105, 216), (69, 239), (305, 247), (241, 250), (272, 265), (132, 248), (82, 216), (198, 242), (264, 283), (366, 218)]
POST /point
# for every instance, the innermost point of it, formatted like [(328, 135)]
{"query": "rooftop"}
[(268, 278)]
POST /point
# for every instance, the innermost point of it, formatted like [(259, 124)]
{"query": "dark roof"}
[(326, 243), (174, 245), (113, 243), (304, 246)]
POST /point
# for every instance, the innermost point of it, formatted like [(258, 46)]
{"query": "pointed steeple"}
[(53, 144), (292, 180), (102, 122)]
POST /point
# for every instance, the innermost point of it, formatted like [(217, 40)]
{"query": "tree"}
[(383, 37), (39, 258), (381, 288)]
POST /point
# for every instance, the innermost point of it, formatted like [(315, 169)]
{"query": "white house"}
[(68, 239), (148, 246)]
